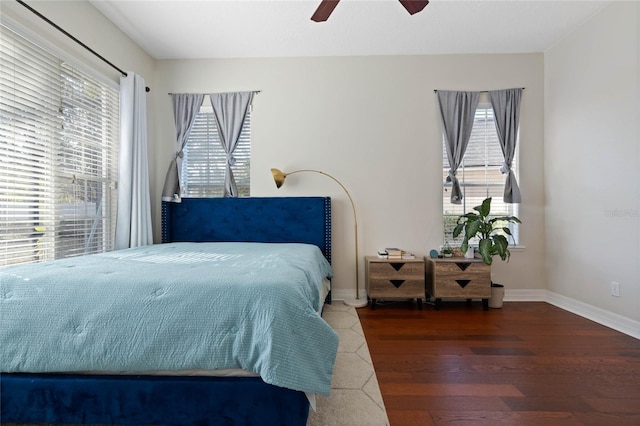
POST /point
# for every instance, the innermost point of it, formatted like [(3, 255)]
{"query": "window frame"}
[(492, 187), (75, 164), (204, 136)]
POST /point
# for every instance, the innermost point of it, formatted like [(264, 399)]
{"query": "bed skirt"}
[(148, 400)]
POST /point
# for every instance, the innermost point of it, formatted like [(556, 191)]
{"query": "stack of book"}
[(394, 253)]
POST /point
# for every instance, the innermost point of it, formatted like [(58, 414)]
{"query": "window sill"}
[(517, 248)]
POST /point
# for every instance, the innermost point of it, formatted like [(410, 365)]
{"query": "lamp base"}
[(356, 303)]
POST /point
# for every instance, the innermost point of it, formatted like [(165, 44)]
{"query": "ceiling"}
[(170, 29)]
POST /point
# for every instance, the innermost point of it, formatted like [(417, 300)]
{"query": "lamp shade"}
[(278, 177)]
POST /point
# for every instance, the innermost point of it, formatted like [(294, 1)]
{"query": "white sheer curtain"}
[(133, 220)]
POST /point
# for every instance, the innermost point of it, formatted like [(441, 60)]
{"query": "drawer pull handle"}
[(397, 283), (463, 283), (397, 266), (463, 266)]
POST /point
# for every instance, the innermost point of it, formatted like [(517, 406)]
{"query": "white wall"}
[(373, 123), (592, 162)]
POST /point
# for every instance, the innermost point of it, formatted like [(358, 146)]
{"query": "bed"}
[(260, 376)]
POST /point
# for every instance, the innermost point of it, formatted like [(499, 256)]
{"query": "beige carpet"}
[(355, 395)]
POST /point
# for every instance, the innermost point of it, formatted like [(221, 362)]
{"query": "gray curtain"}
[(185, 108), (133, 220), (506, 109), (230, 111), (457, 110)]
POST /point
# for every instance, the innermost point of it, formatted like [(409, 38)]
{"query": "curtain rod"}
[(481, 91), (254, 91), (57, 27)]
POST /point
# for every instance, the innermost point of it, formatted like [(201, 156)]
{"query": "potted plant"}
[(447, 250), (492, 234)]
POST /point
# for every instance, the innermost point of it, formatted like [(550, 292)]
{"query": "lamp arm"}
[(353, 207), (355, 220)]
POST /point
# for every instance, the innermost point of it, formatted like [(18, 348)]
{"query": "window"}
[(204, 160), (59, 133), (479, 176)]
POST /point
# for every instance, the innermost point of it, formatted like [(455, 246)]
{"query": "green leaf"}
[(484, 246), (501, 244), (485, 209), (506, 219), (458, 229), (472, 229)]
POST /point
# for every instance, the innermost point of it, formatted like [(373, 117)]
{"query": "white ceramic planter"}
[(470, 253)]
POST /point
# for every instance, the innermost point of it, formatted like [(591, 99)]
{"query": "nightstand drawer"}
[(399, 270), (462, 287), (410, 289), (463, 268)]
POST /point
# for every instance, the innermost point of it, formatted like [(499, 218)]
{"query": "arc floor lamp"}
[(279, 177)]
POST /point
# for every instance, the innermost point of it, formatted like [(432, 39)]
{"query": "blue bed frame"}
[(156, 400), (252, 219)]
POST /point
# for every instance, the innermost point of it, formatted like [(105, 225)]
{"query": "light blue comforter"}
[(178, 306)]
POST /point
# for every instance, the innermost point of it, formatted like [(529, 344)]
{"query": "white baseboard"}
[(525, 295), (509, 295), (608, 319)]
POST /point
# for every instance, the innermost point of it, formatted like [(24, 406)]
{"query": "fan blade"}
[(414, 6), (324, 10)]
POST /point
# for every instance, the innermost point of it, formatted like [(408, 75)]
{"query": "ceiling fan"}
[(323, 11)]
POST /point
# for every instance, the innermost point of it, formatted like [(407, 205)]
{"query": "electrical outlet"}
[(615, 289)]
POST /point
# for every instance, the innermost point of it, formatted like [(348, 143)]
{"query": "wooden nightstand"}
[(458, 278), (394, 279)]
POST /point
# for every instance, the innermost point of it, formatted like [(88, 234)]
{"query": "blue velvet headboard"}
[(251, 219)]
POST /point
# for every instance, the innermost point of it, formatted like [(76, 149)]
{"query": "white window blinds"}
[(58, 148), (204, 159), (479, 175)]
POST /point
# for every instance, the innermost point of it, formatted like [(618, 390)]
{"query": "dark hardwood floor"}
[(528, 363)]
